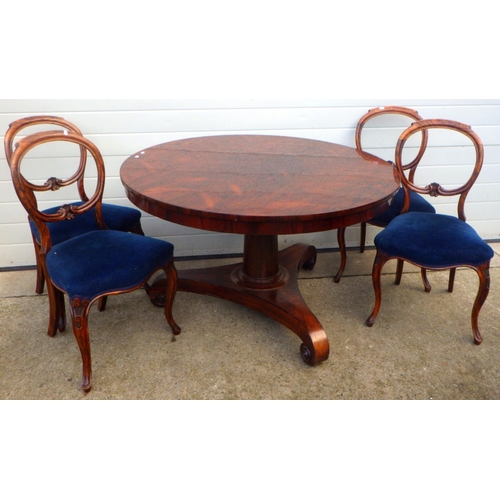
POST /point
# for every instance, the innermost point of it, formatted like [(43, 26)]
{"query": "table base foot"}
[(279, 299)]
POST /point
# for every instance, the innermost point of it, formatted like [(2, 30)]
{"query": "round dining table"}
[(261, 187)]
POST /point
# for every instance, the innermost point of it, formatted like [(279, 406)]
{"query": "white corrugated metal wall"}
[(121, 127)]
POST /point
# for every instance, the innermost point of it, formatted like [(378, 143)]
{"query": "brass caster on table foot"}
[(306, 354), (156, 296), (308, 258), (158, 300), (310, 263)]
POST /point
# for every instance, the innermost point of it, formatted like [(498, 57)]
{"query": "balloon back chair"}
[(417, 202), (435, 241), (92, 265), (116, 217)]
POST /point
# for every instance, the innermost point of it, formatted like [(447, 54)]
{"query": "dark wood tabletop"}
[(257, 184), (261, 187)]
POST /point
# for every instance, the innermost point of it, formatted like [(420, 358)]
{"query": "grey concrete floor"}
[(420, 347)]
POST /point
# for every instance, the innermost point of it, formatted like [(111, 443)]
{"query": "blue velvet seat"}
[(94, 264), (435, 241), (106, 261), (418, 202), (116, 217)]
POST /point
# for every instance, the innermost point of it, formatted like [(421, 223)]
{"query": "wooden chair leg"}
[(399, 272), (343, 254), (362, 241), (451, 279), (170, 293), (40, 276), (40, 279), (79, 315), (483, 291), (378, 265), (61, 326), (101, 305), (425, 281), (57, 313)]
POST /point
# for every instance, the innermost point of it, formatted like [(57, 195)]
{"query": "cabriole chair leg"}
[(343, 254), (362, 241), (399, 272), (171, 291), (451, 279), (79, 315), (40, 276), (484, 289), (57, 312), (380, 261), (425, 281)]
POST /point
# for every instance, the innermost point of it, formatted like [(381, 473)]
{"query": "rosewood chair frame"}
[(79, 307), (411, 167), (9, 145), (434, 189)]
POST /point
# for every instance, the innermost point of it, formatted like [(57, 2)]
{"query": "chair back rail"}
[(26, 189), (435, 189), (16, 127), (391, 110)]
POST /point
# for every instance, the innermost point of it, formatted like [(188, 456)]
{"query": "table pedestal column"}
[(266, 281)]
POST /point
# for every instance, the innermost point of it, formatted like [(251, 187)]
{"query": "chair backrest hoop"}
[(32, 121), (25, 189), (435, 189), (388, 110)]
